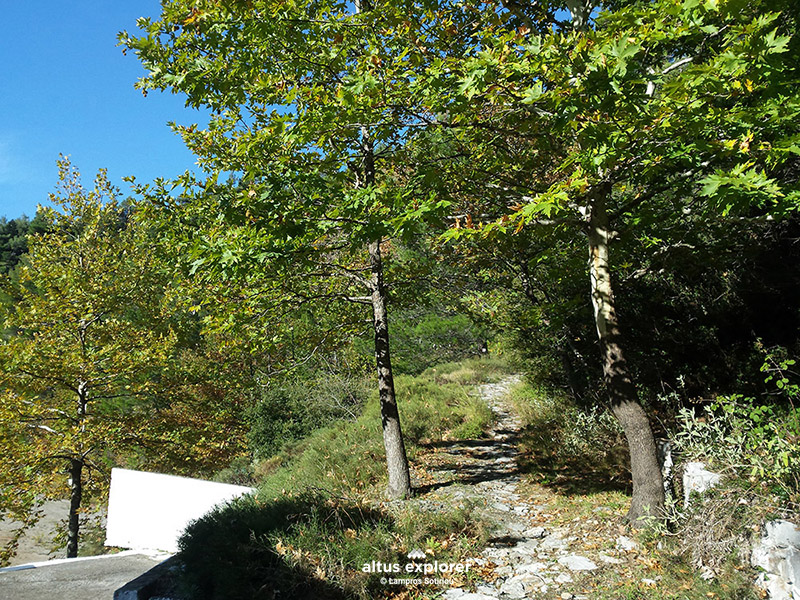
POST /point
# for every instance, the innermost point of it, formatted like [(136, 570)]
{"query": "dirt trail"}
[(526, 557)]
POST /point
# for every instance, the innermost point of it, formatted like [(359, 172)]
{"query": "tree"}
[(653, 112), (612, 121), (13, 239), (83, 351), (302, 111)]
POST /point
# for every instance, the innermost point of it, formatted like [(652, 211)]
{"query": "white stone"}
[(532, 567), (554, 542), (536, 532), (697, 479), (626, 544), (564, 578), (609, 559), (513, 589), (778, 553), (526, 547), (575, 562), (664, 448), (471, 596)]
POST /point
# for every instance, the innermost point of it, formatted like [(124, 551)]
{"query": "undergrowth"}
[(317, 518), (568, 448), (578, 459)]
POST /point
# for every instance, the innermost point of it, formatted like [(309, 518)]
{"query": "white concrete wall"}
[(149, 511)]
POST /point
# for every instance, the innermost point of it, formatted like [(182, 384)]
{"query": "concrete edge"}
[(61, 561), (144, 586)]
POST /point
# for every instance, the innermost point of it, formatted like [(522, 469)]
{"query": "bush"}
[(751, 439), (239, 550), (310, 545), (569, 447), (745, 438), (290, 411), (347, 457), (309, 531), (421, 340)]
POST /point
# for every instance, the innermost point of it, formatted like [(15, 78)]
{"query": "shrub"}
[(746, 438), (421, 341), (311, 545), (240, 550), (291, 410), (569, 447)]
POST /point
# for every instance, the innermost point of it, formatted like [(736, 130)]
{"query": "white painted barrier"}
[(149, 511)]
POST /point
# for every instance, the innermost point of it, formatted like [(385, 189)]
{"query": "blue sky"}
[(67, 88)]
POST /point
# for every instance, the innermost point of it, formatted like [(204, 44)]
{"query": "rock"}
[(664, 448), (532, 567), (553, 542), (485, 589), (566, 596), (697, 479), (501, 506), (609, 559), (564, 578), (649, 582), (626, 544), (536, 532), (574, 562), (513, 589), (778, 553), (454, 594), (525, 550)]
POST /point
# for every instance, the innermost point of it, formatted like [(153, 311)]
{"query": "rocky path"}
[(527, 555)]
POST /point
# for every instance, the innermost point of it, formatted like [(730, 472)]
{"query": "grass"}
[(317, 518), (347, 458), (570, 449), (661, 574), (487, 369), (574, 461)]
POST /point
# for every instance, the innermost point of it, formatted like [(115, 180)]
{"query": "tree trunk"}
[(76, 493), (396, 461), (648, 487)]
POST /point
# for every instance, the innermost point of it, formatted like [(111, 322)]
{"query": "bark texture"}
[(648, 487), (76, 494), (396, 461)]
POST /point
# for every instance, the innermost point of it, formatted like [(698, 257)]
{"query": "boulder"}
[(778, 554), (696, 478)]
